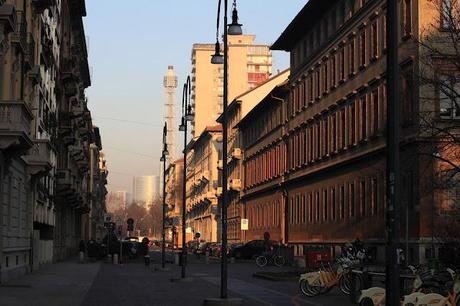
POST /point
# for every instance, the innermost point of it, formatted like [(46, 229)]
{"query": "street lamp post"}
[(164, 153), (393, 220), (187, 115), (229, 29)]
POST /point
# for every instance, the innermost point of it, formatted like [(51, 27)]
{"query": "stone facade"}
[(48, 144)]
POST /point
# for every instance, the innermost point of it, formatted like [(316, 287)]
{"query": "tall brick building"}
[(314, 150)]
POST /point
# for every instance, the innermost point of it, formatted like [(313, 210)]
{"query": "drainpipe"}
[(284, 222)]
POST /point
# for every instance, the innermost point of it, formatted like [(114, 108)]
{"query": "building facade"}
[(237, 109), (315, 159), (261, 132), (118, 200), (203, 187), (249, 65), (45, 134), (174, 179)]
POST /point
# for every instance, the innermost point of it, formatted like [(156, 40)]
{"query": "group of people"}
[(110, 244)]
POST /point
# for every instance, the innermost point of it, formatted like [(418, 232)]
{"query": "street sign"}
[(188, 230), (244, 224)]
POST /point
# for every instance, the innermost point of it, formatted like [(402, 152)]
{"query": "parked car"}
[(251, 249), (232, 247), (215, 248), (203, 247), (131, 246)]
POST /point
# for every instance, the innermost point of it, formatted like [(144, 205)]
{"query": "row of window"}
[(360, 49), (263, 124), (265, 215), (360, 118), (338, 15), (265, 166), (357, 198)]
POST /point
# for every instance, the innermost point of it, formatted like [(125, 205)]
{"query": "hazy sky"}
[(131, 44)]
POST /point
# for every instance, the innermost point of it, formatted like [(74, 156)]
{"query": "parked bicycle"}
[(271, 257)]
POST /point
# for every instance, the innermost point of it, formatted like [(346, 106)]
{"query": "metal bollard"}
[(176, 259), (207, 257), (147, 260), (82, 257), (232, 260), (109, 258), (115, 259)]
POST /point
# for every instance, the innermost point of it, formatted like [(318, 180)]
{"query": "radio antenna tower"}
[(170, 85)]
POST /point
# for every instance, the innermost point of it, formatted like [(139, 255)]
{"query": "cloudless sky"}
[(131, 43)]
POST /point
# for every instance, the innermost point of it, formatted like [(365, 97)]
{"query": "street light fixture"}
[(234, 28), (217, 58), (163, 159), (187, 115), (229, 29)]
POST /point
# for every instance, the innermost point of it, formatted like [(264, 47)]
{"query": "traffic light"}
[(130, 223)]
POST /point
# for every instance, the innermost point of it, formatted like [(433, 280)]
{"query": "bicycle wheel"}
[(345, 283), (279, 261), (308, 290), (366, 302), (261, 261)]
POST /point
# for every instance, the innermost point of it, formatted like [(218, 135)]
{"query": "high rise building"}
[(146, 189), (170, 85), (249, 65)]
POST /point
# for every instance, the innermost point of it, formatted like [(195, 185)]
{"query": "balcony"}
[(38, 158), (7, 17), (65, 183), (205, 177), (30, 51), (236, 154), (19, 37), (15, 126), (235, 185), (41, 5)]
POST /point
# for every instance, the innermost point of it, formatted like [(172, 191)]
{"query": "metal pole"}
[(393, 173), (184, 190), (163, 248), (223, 278)]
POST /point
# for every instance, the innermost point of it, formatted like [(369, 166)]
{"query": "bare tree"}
[(438, 76)]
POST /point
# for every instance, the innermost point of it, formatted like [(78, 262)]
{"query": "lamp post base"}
[(222, 302)]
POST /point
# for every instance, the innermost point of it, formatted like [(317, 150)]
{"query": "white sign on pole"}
[(244, 224), (188, 230)]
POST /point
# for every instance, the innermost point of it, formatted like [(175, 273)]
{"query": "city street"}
[(96, 283)]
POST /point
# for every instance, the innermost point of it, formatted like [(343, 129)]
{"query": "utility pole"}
[(393, 165)]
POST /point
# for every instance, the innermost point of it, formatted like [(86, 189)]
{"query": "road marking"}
[(258, 293)]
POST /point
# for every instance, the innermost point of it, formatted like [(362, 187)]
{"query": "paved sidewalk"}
[(59, 284)]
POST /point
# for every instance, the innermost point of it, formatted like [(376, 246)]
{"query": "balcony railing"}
[(15, 125), (38, 158), (7, 17)]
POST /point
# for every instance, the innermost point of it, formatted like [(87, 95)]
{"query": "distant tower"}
[(170, 85)]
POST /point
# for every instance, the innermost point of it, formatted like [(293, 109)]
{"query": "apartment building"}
[(203, 186), (45, 134), (174, 179), (331, 161), (250, 64), (237, 109)]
